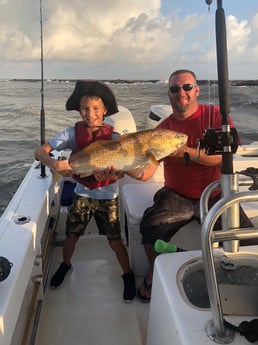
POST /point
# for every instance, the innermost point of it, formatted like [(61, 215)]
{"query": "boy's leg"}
[(77, 219), (107, 219), (121, 253), (68, 249), (129, 292)]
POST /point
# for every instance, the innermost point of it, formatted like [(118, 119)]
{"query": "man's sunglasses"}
[(185, 87)]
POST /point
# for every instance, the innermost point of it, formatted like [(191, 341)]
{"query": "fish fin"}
[(85, 175), (94, 145), (152, 158)]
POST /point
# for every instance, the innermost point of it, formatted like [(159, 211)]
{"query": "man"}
[(177, 203)]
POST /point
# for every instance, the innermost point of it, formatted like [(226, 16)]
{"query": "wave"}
[(109, 81), (240, 83)]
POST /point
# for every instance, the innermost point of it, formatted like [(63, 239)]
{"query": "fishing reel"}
[(213, 142)]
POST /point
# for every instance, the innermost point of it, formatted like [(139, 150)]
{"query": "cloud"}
[(255, 21), (130, 31), (254, 35), (102, 37), (242, 47), (124, 31), (238, 34)]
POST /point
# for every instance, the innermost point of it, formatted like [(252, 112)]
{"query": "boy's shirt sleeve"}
[(115, 135), (64, 140)]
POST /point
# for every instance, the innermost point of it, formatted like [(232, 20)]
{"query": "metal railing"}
[(231, 233)]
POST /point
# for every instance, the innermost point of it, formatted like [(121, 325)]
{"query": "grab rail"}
[(215, 328)]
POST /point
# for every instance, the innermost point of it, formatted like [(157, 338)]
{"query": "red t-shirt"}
[(190, 181)]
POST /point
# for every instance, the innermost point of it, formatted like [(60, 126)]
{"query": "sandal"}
[(147, 291)]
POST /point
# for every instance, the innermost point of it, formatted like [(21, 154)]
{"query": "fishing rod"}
[(222, 65), (42, 111), (222, 140)]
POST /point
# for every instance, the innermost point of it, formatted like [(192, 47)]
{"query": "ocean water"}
[(20, 106)]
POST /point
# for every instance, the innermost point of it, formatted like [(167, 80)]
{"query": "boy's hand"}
[(109, 173), (63, 167)]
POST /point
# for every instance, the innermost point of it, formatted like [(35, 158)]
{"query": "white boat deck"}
[(89, 309)]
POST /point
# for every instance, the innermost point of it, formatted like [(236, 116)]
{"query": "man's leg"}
[(161, 221)]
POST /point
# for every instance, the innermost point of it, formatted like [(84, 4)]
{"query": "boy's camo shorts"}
[(104, 211)]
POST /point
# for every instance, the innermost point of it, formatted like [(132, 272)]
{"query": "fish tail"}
[(55, 177)]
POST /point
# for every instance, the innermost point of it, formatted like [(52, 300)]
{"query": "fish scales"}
[(130, 151)]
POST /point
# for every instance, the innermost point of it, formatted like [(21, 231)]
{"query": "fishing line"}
[(209, 55)]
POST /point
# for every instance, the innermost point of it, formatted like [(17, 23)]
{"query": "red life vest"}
[(84, 137)]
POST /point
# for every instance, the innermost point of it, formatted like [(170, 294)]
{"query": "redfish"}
[(128, 152)]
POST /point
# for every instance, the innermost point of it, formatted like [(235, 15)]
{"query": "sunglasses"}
[(185, 87)]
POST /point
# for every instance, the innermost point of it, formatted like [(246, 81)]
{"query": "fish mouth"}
[(183, 138)]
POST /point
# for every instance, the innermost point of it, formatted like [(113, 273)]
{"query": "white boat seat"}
[(135, 198)]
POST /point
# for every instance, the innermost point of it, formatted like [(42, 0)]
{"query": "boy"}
[(96, 195)]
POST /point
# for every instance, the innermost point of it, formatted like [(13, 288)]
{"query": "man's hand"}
[(179, 152)]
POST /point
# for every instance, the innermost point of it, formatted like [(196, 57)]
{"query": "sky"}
[(121, 39)]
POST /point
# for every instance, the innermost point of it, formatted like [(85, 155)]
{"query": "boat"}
[(188, 304), (32, 228), (209, 295), (88, 308), (158, 113)]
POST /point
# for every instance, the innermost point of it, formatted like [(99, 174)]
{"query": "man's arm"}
[(145, 175), (203, 158), (199, 157)]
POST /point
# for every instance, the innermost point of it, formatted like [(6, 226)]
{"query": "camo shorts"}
[(105, 213)]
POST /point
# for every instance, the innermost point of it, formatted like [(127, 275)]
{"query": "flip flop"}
[(147, 289)]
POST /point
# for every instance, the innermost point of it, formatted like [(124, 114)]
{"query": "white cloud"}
[(255, 21), (238, 33), (113, 33), (15, 45), (130, 31), (77, 31), (242, 47)]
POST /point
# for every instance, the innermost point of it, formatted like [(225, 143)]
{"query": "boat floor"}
[(89, 309)]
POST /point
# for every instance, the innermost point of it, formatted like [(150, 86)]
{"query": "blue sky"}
[(119, 39), (239, 8)]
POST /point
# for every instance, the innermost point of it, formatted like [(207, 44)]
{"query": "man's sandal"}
[(147, 291)]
